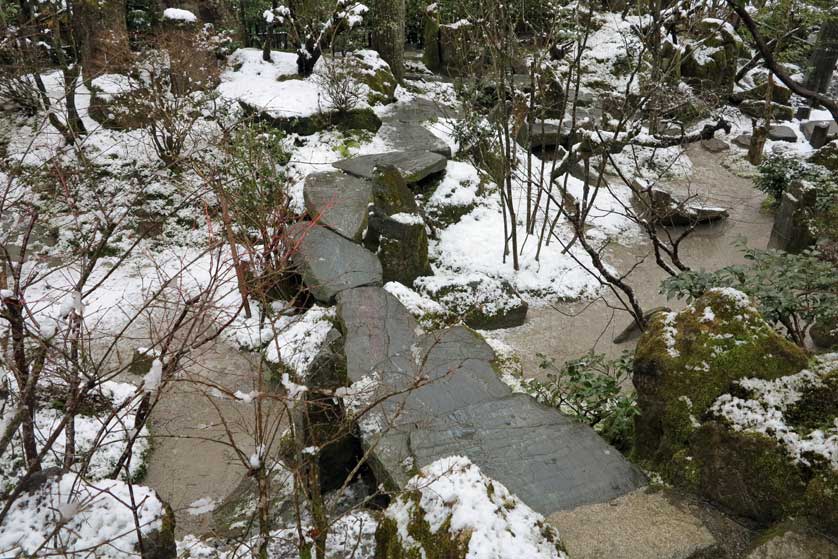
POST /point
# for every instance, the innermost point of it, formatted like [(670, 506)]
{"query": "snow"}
[(98, 515), (418, 305), (497, 524), (299, 338), (408, 218), (458, 188), (177, 14), (201, 506), (151, 381), (461, 292)]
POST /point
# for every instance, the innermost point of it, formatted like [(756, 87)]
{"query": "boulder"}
[(685, 360), (330, 263), (743, 141), (544, 135), (765, 449), (390, 194), (819, 132), (450, 508), (306, 125), (632, 331), (402, 246), (414, 166), (479, 301), (792, 231), (460, 50), (779, 93), (712, 66), (756, 109), (431, 56), (825, 333), (408, 136), (375, 73), (792, 541), (715, 145), (782, 134), (827, 156), (396, 230), (339, 201), (661, 207)]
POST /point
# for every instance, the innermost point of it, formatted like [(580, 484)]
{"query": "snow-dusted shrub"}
[(452, 510)]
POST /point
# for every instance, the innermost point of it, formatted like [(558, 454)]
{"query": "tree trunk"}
[(825, 56), (102, 34), (388, 33)]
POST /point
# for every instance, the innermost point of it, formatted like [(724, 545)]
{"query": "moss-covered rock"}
[(827, 156), (685, 361), (821, 501), (431, 55), (792, 539), (355, 119), (450, 508), (373, 72)]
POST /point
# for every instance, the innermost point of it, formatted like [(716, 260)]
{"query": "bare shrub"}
[(337, 80)]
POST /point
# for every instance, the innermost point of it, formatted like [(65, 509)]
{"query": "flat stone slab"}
[(442, 396), (782, 134), (743, 140), (330, 263), (715, 145), (413, 165), (339, 201), (546, 458), (409, 136), (376, 326), (639, 525)]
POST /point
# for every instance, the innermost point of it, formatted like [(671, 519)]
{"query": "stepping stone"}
[(743, 141), (376, 325), (330, 263), (782, 134), (715, 145), (407, 136), (413, 165), (340, 202), (663, 208), (442, 396)]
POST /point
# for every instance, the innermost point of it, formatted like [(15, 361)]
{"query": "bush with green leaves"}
[(776, 173), (791, 291), (591, 389)]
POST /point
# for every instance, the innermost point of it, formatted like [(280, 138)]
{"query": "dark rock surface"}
[(413, 165), (340, 202), (330, 263), (791, 231), (782, 134), (408, 136), (715, 145)]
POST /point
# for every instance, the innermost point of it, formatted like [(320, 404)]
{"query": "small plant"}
[(590, 389), (791, 291), (337, 80), (775, 175)]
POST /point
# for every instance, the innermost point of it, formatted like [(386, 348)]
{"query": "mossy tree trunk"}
[(388, 33), (101, 32)]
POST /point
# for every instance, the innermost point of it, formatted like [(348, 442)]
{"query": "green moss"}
[(747, 473), (817, 408), (821, 501), (683, 364), (429, 545)]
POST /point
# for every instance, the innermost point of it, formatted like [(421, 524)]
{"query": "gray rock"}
[(819, 132), (390, 194), (544, 135), (756, 109), (376, 327), (407, 136), (743, 141), (402, 246), (779, 93), (660, 206), (550, 461), (479, 301), (340, 202), (791, 231), (414, 166), (330, 263), (782, 134), (446, 399), (715, 145), (793, 543)]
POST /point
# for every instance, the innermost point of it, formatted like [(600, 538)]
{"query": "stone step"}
[(414, 166)]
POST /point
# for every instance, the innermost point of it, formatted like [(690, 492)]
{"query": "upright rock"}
[(791, 231)]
